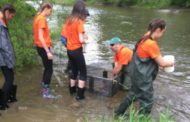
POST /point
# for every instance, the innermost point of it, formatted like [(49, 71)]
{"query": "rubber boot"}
[(123, 106), (3, 100), (72, 90), (12, 95), (80, 94)]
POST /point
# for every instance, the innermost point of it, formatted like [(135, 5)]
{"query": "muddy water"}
[(171, 89)]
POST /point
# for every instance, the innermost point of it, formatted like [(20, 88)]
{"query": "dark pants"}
[(143, 92), (143, 73), (78, 64), (9, 78), (125, 78), (48, 66)]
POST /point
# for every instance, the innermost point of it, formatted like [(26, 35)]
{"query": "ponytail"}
[(144, 37), (154, 24)]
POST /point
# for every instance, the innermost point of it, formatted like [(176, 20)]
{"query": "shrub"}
[(21, 32)]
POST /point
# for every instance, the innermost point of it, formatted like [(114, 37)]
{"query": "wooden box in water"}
[(100, 81)]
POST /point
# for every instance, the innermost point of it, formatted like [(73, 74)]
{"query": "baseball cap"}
[(114, 40)]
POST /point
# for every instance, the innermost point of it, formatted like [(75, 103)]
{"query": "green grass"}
[(133, 116)]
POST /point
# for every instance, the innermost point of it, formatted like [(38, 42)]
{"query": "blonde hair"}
[(44, 5)]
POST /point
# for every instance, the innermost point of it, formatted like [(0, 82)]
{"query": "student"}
[(74, 32), (122, 57), (43, 44), (144, 68), (7, 58)]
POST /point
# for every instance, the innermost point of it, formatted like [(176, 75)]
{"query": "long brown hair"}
[(154, 24), (10, 8), (79, 12), (44, 5)]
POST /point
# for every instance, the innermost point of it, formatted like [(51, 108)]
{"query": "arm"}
[(117, 69), (162, 63), (1, 15), (83, 37), (82, 34), (6, 48), (41, 38), (155, 54)]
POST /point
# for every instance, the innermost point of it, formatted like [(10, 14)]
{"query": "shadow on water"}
[(171, 89)]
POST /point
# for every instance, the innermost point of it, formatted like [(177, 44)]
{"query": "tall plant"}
[(21, 32)]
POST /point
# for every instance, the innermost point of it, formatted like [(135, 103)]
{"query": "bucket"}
[(169, 58)]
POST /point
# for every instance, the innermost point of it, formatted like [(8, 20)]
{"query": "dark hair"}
[(154, 24), (8, 7), (79, 11)]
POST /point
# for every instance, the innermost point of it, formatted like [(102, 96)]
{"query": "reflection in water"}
[(171, 89), (93, 30)]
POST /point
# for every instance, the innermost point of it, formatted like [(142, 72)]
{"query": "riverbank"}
[(31, 107), (171, 89)]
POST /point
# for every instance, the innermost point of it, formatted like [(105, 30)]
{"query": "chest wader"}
[(125, 79), (143, 72)]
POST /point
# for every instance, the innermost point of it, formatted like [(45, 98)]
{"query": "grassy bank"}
[(21, 32), (133, 116)]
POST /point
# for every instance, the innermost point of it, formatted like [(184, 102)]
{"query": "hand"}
[(114, 76), (171, 63), (49, 55), (83, 43), (114, 73), (83, 48), (83, 51), (161, 68), (85, 36)]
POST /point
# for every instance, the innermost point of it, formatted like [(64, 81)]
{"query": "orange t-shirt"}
[(123, 56), (71, 32), (148, 49), (41, 23)]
